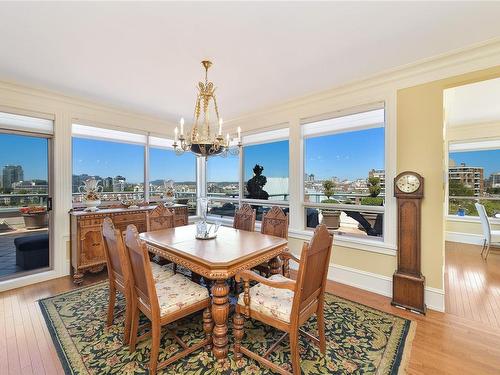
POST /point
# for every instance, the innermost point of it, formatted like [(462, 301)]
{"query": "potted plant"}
[(373, 199), (331, 218), (35, 217)]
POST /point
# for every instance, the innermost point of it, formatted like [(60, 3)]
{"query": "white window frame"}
[(87, 131), (387, 243)]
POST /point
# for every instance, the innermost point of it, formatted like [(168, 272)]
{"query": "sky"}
[(347, 156), (29, 152), (488, 159), (272, 156), (103, 158)]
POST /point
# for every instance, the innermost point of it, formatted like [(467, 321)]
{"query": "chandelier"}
[(202, 140)]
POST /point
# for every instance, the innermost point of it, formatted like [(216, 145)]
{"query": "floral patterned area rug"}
[(360, 340)]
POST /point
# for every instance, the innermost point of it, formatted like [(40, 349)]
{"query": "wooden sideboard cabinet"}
[(87, 250)]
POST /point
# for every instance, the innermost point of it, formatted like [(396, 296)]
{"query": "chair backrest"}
[(116, 256), (313, 268), (483, 216), (244, 218), (275, 223), (160, 218), (142, 275)]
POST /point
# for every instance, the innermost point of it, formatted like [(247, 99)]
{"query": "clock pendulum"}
[(408, 282)]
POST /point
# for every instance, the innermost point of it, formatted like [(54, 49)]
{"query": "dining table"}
[(217, 259)]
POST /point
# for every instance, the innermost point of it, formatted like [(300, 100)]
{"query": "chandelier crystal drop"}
[(204, 139)]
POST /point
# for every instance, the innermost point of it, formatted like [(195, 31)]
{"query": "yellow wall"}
[(348, 257)]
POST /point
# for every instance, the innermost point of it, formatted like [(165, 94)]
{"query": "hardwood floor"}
[(443, 344), (472, 284)]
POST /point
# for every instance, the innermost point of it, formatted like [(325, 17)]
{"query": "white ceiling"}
[(473, 104), (145, 56)]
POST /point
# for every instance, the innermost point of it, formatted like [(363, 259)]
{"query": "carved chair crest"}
[(245, 218), (161, 218), (275, 223)]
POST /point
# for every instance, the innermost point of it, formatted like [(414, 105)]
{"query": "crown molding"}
[(51, 95), (476, 57)]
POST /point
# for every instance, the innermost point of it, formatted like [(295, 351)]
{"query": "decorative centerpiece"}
[(91, 194), (169, 196), (35, 217), (204, 231)]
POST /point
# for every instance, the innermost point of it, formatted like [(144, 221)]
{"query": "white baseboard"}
[(375, 283), (469, 238)]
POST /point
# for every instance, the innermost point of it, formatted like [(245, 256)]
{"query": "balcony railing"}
[(10, 203), (342, 198)]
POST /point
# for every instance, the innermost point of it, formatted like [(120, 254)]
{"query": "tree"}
[(374, 186), (458, 189), (328, 188)]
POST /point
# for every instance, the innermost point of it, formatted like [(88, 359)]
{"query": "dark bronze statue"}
[(256, 183)]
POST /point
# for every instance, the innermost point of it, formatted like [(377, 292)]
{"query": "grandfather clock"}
[(407, 281)]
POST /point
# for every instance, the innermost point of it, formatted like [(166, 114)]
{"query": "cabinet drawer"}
[(90, 222), (118, 219)]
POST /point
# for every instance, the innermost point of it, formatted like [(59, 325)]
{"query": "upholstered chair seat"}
[(273, 302), (178, 292), (162, 273)]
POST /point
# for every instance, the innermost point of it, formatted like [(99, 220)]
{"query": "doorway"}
[(472, 139), (25, 203)]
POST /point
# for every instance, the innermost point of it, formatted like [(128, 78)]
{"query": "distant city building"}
[(495, 180), (119, 184), (471, 177), (380, 173), (107, 183), (11, 174), (309, 177)]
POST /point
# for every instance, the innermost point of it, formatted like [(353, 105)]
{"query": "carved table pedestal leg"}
[(220, 314), (275, 266)]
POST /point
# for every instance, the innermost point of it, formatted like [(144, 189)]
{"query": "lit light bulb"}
[(182, 125), (176, 131)]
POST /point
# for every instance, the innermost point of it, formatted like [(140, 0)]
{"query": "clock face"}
[(408, 183)]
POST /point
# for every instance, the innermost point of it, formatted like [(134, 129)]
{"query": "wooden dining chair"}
[(287, 304), (274, 223), (161, 217), (244, 218), (119, 273), (163, 303)]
